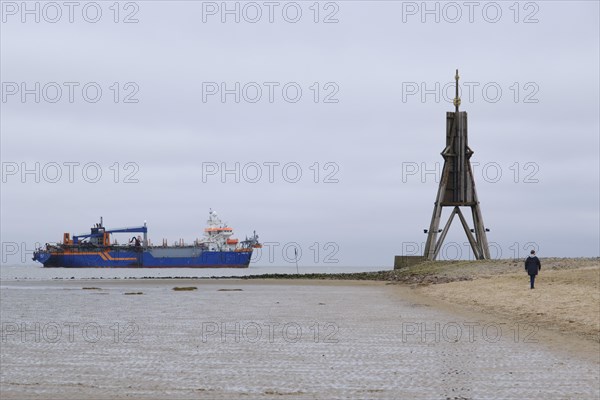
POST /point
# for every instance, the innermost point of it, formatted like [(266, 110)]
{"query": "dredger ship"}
[(216, 249)]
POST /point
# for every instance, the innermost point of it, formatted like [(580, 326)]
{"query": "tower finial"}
[(456, 98)]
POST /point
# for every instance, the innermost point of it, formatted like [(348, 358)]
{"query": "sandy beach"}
[(565, 300), (71, 339)]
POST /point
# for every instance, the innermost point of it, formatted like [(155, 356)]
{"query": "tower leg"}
[(480, 233), (430, 245), (475, 245), (438, 245)]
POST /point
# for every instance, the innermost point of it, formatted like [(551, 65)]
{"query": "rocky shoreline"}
[(437, 272)]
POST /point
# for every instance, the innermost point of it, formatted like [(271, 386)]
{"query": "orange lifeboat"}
[(232, 241)]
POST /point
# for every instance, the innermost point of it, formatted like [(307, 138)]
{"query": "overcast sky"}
[(362, 131)]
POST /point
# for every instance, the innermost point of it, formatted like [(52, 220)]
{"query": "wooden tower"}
[(457, 189)]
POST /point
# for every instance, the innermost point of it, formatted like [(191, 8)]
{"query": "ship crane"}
[(98, 231)]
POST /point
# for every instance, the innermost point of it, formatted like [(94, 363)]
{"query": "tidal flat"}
[(313, 339)]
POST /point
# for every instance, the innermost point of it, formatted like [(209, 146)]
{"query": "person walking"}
[(532, 266)]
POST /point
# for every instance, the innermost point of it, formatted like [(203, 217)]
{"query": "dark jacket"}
[(532, 265)]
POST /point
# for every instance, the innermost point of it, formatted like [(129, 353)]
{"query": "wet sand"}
[(297, 339)]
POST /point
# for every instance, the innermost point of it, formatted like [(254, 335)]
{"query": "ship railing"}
[(86, 246)]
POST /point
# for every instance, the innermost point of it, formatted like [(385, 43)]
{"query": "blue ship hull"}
[(150, 258)]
